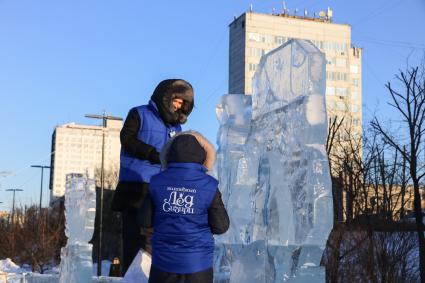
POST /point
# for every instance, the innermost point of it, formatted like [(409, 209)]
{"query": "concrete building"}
[(253, 35), (77, 149)]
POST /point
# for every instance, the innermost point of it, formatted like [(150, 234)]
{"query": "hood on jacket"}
[(164, 94), (188, 146)]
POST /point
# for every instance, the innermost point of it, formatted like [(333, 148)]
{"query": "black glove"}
[(153, 157)]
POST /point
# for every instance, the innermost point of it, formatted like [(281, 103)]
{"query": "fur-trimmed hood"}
[(164, 94), (210, 153)]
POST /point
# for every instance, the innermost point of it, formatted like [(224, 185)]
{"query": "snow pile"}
[(138, 272), (8, 266)]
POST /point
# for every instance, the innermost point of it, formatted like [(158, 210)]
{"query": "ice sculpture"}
[(80, 210), (274, 172)]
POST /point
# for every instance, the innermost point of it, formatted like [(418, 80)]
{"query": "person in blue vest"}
[(185, 208), (146, 130)]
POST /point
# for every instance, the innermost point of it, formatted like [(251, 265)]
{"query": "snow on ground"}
[(8, 266)]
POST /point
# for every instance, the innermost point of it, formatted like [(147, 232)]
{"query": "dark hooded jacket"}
[(146, 130), (163, 96), (184, 207)]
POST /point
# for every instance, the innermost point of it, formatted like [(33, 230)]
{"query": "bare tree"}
[(409, 102), (110, 177), (337, 197), (35, 238), (367, 253)]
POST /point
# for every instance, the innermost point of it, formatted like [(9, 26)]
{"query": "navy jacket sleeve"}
[(218, 219), (131, 144)]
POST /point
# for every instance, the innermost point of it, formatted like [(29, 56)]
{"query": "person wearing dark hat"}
[(146, 130), (185, 209)]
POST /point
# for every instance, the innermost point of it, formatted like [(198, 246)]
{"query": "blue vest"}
[(152, 131), (182, 241)]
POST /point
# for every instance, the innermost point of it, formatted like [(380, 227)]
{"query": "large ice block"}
[(80, 210), (274, 172)]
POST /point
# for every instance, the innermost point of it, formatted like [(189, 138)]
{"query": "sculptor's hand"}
[(154, 157)]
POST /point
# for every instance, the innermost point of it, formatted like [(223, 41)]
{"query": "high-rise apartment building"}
[(77, 149), (253, 35)]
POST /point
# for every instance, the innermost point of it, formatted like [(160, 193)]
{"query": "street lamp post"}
[(42, 167), (13, 222), (13, 202), (104, 118)]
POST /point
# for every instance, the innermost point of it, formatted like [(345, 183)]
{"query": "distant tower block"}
[(251, 35)]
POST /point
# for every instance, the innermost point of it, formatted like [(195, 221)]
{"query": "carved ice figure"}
[(80, 210), (274, 172)]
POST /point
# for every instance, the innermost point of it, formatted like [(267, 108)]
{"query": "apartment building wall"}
[(253, 35), (78, 149)]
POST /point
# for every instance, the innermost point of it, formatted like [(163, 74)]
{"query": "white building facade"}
[(77, 149)]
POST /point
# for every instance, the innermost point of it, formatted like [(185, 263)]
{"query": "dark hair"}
[(186, 148)]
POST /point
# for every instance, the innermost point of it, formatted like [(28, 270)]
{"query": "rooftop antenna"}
[(305, 13), (273, 11), (284, 8), (296, 11), (250, 8)]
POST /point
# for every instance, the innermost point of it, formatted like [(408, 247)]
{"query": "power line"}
[(374, 75), (26, 167), (394, 43), (377, 12), (221, 85), (210, 57)]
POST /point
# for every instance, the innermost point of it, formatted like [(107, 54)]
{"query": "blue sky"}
[(60, 60)]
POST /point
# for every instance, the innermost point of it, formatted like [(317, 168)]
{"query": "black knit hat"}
[(186, 149), (163, 96)]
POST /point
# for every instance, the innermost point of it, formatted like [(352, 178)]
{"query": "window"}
[(341, 62), (355, 82), (341, 91), (336, 76), (252, 67), (256, 52), (253, 36), (340, 105), (354, 108), (279, 40), (330, 90), (354, 69)]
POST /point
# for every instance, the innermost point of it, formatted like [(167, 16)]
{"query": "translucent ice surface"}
[(138, 272), (274, 172), (80, 210)]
